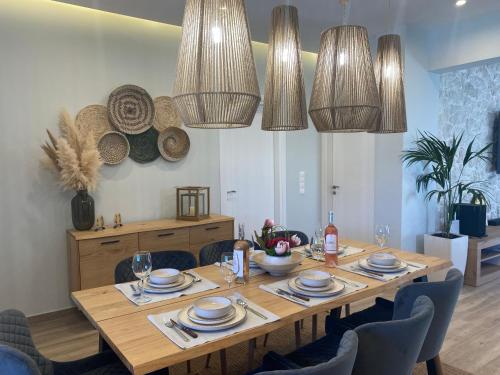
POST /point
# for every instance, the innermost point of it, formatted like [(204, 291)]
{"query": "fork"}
[(171, 325)]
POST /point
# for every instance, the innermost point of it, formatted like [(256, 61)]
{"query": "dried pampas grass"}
[(73, 156)]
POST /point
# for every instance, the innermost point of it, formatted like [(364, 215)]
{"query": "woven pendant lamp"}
[(284, 99), (344, 96), (216, 83), (389, 76)]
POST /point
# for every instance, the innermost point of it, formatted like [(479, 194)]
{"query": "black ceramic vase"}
[(82, 210)]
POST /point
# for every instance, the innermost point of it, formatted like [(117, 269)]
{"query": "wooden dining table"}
[(143, 348)]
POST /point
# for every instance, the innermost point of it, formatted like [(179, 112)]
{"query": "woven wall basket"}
[(94, 117), (131, 109), (113, 148), (165, 114), (144, 146), (173, 144)]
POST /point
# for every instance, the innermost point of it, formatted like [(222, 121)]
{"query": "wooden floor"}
[(472, 344)]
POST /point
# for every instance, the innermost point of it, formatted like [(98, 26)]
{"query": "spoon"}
[(246, 307), (169, 324)]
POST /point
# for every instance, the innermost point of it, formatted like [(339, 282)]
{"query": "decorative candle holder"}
[(193, 203)]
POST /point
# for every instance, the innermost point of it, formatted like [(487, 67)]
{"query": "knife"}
[(291, 298), (189, 331), (294, 295)]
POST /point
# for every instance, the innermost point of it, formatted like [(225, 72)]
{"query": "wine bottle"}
[(331, 243)]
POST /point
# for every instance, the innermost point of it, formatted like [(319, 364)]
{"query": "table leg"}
[(421, 279), (252, 344), (188, 366), (314, 327), (265, 339), (297, 334), (103, 345), (207, 362), (336, 312), (223, 362), (347, 309)]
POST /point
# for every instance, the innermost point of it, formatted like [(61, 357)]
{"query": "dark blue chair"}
[(444, 295), (211, 253), (341, 364), (178, 259), (304, 240), (384, 348), (19, 355)]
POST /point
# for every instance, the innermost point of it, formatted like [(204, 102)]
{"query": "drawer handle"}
[(212, 228), (166, 234), (110, 242)]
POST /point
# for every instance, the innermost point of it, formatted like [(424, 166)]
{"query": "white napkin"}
[(201, 286), (348, 251), (251, 321), (350, 287), (355, 268)]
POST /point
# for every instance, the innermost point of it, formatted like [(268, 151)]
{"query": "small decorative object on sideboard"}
[(118, 221), (74, 158), (99, 224), (193, 203)]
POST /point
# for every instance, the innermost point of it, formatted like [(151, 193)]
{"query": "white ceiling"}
[(315, 15)]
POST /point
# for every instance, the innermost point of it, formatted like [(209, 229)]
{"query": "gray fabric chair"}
[(444, 295), (15, 333), (211, 253), (384, 348), (15, 362), (341, 364)]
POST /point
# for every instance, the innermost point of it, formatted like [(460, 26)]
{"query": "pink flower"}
[(282, 248), (268, 223), (295, 241)]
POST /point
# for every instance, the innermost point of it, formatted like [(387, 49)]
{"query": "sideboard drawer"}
[(205, 234), (168, 239), (99, 257)]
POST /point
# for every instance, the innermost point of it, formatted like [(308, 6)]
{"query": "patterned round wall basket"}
[(143, 147), (131, 109), (113, 148), (165, 114), (173, 144), (94, 117)]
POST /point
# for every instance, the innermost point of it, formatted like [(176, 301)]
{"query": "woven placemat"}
[(94, 117), (131, 109), (113, 148), (173, 144), (144, 146), (166, 114)]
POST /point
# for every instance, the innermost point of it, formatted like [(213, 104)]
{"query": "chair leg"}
[(434, 366), (223, 362), (265, 339), (336, 312), (301, 323), (207, 361), (252, 344), (347, 309), (297, 334), (188, 366), (314, 327)]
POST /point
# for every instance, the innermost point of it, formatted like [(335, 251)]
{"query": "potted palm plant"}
[(443, 179)]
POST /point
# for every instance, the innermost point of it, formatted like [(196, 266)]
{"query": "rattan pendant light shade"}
[(344, 96), (389, 76), (216, 83), (284, 98)]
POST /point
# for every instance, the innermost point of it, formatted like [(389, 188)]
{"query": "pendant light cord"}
[(388, 17), (346, 10)]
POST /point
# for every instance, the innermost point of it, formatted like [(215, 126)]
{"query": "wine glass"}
[(317, 247), (381, 234), (141, 266), (229, 267)]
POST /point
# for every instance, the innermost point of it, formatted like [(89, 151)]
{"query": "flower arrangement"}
[(73, 156), (275, 241)]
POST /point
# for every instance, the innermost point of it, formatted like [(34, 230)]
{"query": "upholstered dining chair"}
[(211, 253), (341, 364), (444, 295), (19, 355), (388, 348), (178, 259)]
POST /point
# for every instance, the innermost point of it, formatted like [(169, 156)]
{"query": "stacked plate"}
[(167, 280), (383, 262), (212, 314), (314, 283)]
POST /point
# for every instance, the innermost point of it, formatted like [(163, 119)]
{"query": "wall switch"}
[(302, 182)]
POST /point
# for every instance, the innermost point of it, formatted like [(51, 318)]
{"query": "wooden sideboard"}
[(483, 258), (93, 255)]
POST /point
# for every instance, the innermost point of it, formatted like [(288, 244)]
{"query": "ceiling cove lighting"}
[(460, 3), (216, 82), (284, 99), (389, 77), (344, 96)]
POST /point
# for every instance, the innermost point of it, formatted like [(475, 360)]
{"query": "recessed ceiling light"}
[(460, 3)]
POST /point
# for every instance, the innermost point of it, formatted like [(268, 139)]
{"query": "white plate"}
[(396, 264), (336, 289), (301, 286), (188, 281), (196, 319), (179, 281), (364, 264), (239, 317), (315, 278)]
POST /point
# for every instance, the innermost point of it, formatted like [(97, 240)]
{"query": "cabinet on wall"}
[(93, 255)]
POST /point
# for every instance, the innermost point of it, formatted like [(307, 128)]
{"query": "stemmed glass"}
[(141, 266), (381, 234), (317, 247), (229, 267)]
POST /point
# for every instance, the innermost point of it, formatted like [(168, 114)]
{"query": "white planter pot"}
[(453, 249)]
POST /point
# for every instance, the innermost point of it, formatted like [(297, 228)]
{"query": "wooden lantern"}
[(193, 203)]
